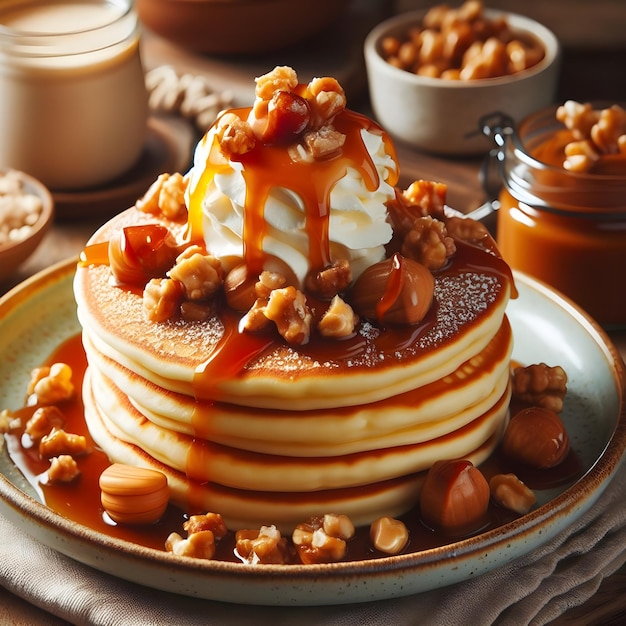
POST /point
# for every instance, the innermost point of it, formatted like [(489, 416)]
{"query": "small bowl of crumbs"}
[(433, 74), (26, 212)]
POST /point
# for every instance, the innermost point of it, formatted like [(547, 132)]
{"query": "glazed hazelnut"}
[(395, 291), (454, 497), (536, 437), (239, 288), (133, 495)]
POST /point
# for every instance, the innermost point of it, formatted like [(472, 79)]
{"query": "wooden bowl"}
[(14, 253), (238, 26)]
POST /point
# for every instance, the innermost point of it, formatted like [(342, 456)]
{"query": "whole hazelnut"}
[(394, 291), (239, 288), (537, 437), (454, 497)]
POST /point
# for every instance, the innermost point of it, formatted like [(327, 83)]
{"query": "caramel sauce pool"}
[(80, 499)]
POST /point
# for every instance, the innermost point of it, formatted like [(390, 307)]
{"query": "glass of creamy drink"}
[(73, 103)]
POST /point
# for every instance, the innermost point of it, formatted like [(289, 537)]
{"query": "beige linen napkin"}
[(532, 590)]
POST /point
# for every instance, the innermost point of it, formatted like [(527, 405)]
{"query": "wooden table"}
[(580, 80)]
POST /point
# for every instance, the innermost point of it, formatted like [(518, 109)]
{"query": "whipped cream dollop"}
[(219, 189)]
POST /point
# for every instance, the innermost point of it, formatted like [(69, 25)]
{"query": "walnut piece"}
[(577, 117), (330, 281), (329, 99), (63, 469), (466, 229), (596, 132), (321, 144), (606, 132), (9, 422), (166, 196), (200, 274), (428, 243), (234, 135), (339, 320), (323, 539), (510, 492), (580, 156), (43, 420), (540, 385), (428, 195), (207, 521), (49, 385), (199, 545), (162, 298), (265, 545), (288, 309), (389, 535), (60, 442), (281, 78)]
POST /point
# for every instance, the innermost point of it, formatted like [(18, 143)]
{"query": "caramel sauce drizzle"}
[(267, 167)]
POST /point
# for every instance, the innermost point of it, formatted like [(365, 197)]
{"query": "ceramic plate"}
[(37, 315)]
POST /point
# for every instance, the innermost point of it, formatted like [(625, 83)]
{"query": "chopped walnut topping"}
[(429, 196), (207, 521), (60, 442), (63, 469), (323, 539), (43, 420), (330, 281), (389, 535), (339, 320), (199, 545), (165, 196), (268, 281), (262, 546), (288, 309), (234, 135), (322, 143), (255, 319), (281, 78), (540, 385), (329, 99), (510, 492), (428, 243), (162, 298), (201, 274), (49, 385)]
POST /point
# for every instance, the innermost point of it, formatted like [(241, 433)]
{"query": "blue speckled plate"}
[(39, 314)]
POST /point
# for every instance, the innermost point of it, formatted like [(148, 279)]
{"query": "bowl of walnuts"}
[(433, 74), (26, 212)]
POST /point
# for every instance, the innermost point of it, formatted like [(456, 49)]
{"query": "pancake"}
[(246, 416)]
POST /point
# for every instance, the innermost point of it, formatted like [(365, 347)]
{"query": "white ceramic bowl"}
[(441, 116)]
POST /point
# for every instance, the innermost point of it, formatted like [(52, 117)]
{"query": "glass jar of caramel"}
[(566, 228)]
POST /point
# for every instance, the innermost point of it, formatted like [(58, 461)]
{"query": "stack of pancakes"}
[(267, 433)]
